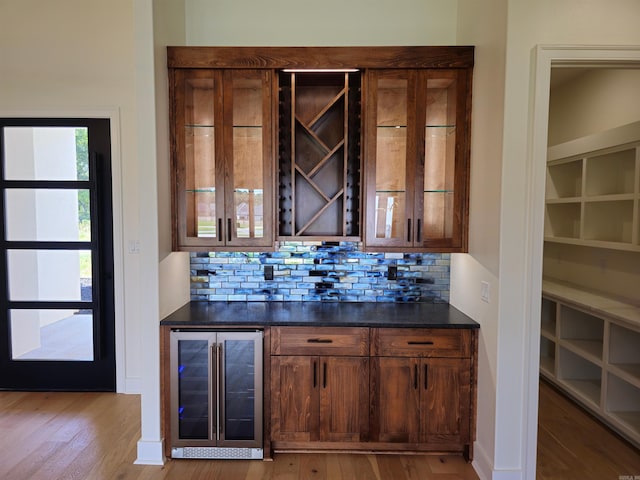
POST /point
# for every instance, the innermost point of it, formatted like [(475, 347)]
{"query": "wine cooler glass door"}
[(240, 389)]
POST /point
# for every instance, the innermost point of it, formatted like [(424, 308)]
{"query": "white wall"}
[(331, 22), (484, 25), (597, 100)]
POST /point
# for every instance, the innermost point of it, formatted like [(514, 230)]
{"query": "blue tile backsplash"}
[(320, 271)]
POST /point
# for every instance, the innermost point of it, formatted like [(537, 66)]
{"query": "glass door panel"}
[(191, 394), (70, 207), (248, 155), (49, 275), (439, 162), (53, 152), (391, 159), (51, 334), (199, 143), (240, 389)]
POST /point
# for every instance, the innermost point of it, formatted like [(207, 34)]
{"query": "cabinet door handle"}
[(319, 340), (408, 230), (315, 374), (426, 377), (419, 231), (219, 229), (324, 375), (415, 377), (414, 342), (228, 229)]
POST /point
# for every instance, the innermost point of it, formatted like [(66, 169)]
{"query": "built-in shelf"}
[(590, 348), (593, 190)]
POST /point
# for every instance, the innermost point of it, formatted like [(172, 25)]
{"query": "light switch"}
[(484, 291)]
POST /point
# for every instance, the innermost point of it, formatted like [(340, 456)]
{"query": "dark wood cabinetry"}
[(319, 385), (372, 145), (319, 155), (422, 386), (222, 158), (417, 151), (373, 389)]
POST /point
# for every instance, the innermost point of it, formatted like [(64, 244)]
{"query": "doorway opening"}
[(56, 255)]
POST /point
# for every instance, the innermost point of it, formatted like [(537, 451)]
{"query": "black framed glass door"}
[(56, 255)]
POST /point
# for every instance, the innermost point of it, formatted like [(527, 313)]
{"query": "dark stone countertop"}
[(321, 314)]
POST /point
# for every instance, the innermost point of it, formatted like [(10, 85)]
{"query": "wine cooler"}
[(216, 394)]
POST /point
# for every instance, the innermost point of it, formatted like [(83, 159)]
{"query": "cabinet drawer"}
[(320, 341), (421, 342)]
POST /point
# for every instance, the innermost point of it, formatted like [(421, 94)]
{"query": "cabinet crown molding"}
[(321, 57)]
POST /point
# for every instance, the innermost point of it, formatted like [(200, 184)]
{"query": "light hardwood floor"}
[(87, 436), (573, 445)]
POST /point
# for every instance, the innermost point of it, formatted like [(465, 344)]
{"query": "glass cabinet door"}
[(198, 156), (222, 159), (417, 159), (248, 194), (389, 141), (437, 220)]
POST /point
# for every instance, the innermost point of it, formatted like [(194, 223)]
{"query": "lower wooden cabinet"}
[(374, 389), (421, 400), (319, 398)]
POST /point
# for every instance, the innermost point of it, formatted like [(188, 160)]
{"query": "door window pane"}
[(47, 215), (49, 275), (46, 153), (51, 334)]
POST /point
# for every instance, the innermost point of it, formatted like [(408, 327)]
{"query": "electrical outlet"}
[(268, 272), (392, 272), (484, 291)]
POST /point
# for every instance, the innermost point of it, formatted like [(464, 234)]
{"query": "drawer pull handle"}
[(319, 340), (415, 377), (419, 343)]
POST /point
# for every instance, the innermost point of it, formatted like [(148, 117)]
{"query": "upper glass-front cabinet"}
[(417, 159), (222, 156)]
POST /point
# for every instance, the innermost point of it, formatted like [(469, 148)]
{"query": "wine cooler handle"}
[(219, 413)]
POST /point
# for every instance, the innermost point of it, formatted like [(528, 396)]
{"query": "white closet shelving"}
[(590, 348), (593, 190)]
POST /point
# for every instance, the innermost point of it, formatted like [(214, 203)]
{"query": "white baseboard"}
[(132, 385), (482, 464), (150, 453)]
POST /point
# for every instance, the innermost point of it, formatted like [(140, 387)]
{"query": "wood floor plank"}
[(574, 445), (93, 436)]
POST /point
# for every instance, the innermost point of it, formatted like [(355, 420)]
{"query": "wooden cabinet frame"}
[(273, 59), (433, 406)]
